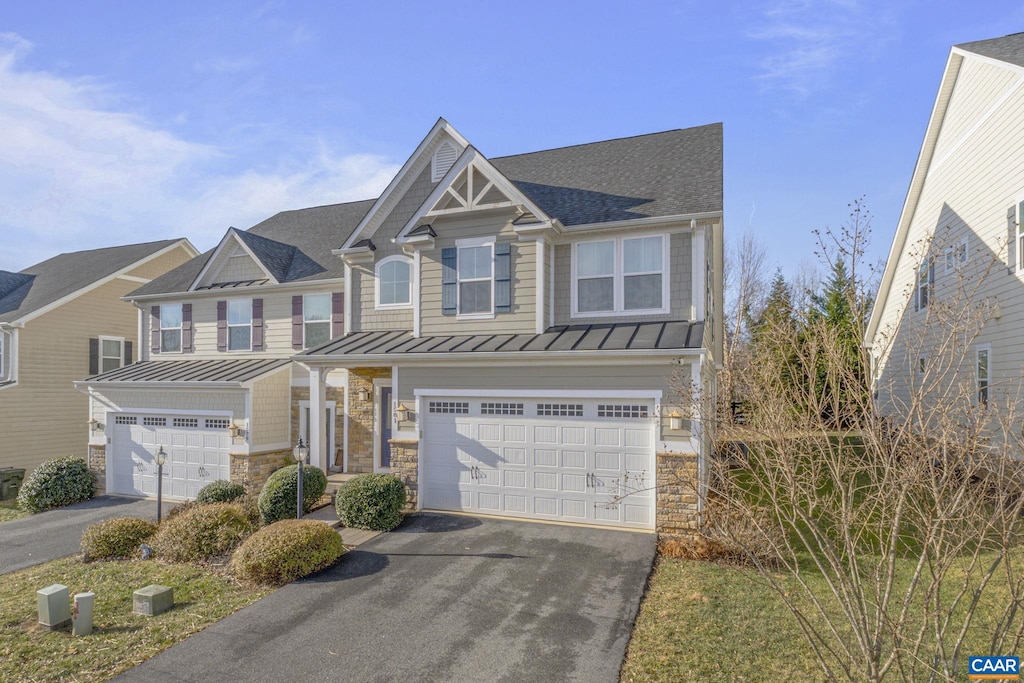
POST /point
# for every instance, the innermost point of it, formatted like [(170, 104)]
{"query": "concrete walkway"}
[(56, 533), (442, 598)]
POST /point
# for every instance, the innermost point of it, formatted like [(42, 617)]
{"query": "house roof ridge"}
[(600, 142)]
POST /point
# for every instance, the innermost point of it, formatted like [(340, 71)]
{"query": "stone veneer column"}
[(98, 466), (405, 466), (360, 415), (678, 479), (252, 471)]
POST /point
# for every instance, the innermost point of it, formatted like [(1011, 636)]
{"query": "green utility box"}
[(10, 482)]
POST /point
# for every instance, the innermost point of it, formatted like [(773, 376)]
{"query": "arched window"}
[(394, 282)]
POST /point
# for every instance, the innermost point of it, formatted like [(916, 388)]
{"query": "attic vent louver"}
[(444, 159)]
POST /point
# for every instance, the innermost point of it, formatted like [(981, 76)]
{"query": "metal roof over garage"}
[(235, 371), (651, 336)]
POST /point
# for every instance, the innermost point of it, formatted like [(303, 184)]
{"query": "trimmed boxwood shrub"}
[(56, 483), (220, 491), (116, 538), (202, 532), (371, 501), (287, 550), (277, 499)]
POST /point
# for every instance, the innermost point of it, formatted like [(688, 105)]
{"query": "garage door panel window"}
[(154, 422), (186, 422), (560, 410), (449, 407), (620, 411), (501, 408), (124, 419), (170, 328)]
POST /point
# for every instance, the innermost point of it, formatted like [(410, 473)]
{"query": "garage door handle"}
[(140, 467), (474, 472), (590, 480)]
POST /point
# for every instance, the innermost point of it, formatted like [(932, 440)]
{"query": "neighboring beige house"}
[(960, 238), (60, 321), (515, 336)]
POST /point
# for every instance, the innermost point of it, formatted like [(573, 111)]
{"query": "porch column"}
[(317, 408)]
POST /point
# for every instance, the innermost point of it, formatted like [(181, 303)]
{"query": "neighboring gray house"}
[(515, 336)]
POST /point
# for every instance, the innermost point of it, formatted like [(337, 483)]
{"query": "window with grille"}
[(217, 423), (449, 407), (615, 410), (501, 408), (125, 420), (560, 409), (154, 421), (186, 422)]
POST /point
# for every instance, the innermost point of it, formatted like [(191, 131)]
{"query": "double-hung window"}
[(316, 319), (240, 325), (111, 353), (925, 278), (476, 278), (982, 373), (170, 328), (394, 282), (956, 255), (626, 275)]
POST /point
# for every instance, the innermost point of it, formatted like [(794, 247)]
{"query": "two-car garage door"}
[(196, 448), (569, 460)]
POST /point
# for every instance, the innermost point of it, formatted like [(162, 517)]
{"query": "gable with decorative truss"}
[(472, 190)]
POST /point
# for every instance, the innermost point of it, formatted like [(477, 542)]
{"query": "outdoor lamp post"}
[(300, 453), (161, 458)]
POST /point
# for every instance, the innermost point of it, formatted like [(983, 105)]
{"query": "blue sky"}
[(124, 122)]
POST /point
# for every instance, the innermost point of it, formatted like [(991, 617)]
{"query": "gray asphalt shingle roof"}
[(44, 283), (237, 370), (660, 174), (1006, 49), (664, 336)]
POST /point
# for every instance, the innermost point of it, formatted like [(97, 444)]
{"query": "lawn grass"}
[(705, 621), (10, 512), (120, 639)]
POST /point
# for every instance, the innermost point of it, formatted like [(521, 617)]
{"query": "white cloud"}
[(76, 173)]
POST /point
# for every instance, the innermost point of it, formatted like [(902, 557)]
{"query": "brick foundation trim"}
[(405, 465)]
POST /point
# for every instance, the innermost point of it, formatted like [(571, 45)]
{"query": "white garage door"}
[(572, 460), (196, 448)]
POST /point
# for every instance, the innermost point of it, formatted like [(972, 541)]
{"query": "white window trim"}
[(459, 246), (102, 338), (329, 321), (1018, 235), (9, 360), (618, 277), (376, 280), (928, 266), (922, 364), (950, 252), (987, 348), (227, 319), (180, 328)]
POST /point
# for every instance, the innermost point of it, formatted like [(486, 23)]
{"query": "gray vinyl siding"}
[(680, 284), (277, 323), (656, 376), (972, 180), (227, 268), (522, 318), (127, 400)]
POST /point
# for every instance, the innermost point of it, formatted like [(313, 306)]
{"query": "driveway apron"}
[(56, 533), (442, 598)]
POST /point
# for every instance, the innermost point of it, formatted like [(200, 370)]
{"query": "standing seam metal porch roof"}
[(234, 370), (661, 336)]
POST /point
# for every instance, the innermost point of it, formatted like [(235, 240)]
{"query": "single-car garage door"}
[(571, 460), (196, 448)]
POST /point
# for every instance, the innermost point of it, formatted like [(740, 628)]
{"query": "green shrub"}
[(251, 510), (202, 532), (287, 550), (55, 483), (116, 538), (278, 498), (220, 491), (179, 508), (371, 501)]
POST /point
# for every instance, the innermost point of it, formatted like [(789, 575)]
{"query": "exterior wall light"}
[(363, 395), (233, 430), (675, 421), (401, 413)]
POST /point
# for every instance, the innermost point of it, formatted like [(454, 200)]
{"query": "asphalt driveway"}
[(56, 533), (442, 598)]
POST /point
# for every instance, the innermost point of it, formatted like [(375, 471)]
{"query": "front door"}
[(384, 430)]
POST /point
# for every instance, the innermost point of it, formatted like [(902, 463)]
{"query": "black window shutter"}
[(94, 356), (503, 277), (127, 353), (449, 281)]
